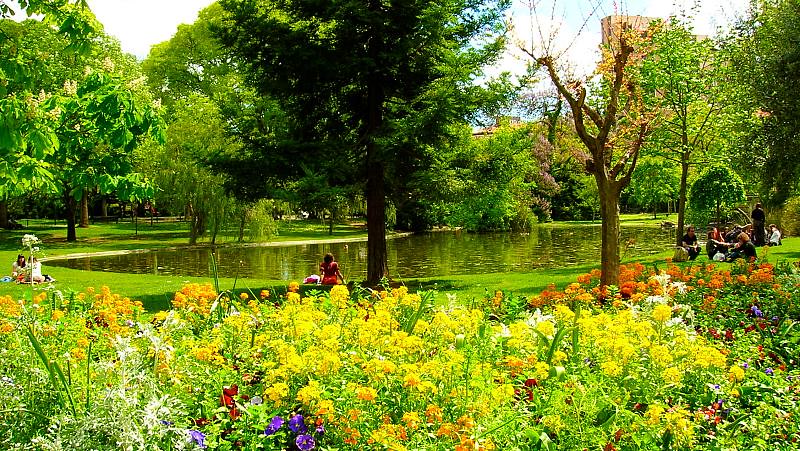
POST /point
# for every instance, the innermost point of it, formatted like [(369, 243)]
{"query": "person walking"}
[(759, 220)]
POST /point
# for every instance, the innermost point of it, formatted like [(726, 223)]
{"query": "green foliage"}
[(790, 218), (762, 53), (404, 73), (716, 190), (654, 182), (260, 224)]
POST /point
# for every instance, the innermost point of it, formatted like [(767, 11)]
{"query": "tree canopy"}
[(367, 84)]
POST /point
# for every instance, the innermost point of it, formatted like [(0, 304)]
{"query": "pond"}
[(419, 255)]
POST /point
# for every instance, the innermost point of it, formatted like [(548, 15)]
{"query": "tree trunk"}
[(609, 210), (103, 206), (4, 214), (72, 206), (84, 223), (377, 267), (682, 200)]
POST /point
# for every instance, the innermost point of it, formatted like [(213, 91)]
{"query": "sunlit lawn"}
[(156, 290)]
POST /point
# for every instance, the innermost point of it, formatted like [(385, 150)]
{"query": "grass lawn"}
[(155, 291)]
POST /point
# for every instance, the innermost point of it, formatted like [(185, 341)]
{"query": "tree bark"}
[(609, 250), (84, 222), (4, 214), (682, 200), (377, 267), (72, 206)]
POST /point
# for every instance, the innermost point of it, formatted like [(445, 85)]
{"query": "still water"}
[(420, 255)]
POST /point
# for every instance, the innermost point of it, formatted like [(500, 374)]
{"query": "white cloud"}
[(140, 24)]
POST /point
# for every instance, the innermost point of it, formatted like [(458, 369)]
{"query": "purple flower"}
[(166, 423), (274, 425), (745, 365), (305, 442), (757, 312), (768, 371), (297, 425), (198, 438), (320, 430)]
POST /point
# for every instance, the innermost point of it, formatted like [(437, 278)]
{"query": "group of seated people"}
[(26, 271), (728, 245)]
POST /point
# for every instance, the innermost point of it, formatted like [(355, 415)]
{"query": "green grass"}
[(156, 291)]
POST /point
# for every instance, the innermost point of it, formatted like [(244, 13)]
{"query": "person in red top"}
[(330, 271)]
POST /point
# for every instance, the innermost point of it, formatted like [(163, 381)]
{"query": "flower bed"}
[(702, 357)]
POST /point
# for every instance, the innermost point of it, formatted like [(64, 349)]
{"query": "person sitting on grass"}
[(689, 242), (330, 270), (19, 269), (713, 237), (36, 272), (742, 248), (774, 235)]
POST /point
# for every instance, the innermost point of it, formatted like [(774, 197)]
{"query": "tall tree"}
[(680, 79), (612, 125), (26, 126), (763, 54), (363, 80), (716, 189)]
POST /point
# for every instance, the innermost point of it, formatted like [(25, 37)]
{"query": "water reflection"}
[(422, 255)]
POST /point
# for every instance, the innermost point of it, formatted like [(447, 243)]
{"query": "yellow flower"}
[(671, 375), (546, 328), (276, 392), (366, 394), (662, 312), (611, 368), (78, 354), (309, 393), (736, 373), (563, 313), (243, 296), (412, 420), (57, 315)]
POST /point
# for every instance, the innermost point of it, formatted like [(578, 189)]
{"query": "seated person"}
[(774, 235), (19, 269), (689, 242), (36, 271), (330, 270), (733, 235), (712, 248), (742, 248)]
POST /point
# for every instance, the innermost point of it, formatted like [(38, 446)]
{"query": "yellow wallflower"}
[(57, 315), (671, 375), (736, 373), (277, 392), (662, 312), (547, 328), (309, 393), (611, 368), (366, 394)]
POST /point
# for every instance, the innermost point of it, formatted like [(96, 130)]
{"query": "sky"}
[(140, 24)]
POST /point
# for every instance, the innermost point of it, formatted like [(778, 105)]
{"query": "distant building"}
[(613, 26), (498, 122)]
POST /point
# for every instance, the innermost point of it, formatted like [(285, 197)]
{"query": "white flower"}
[(537, 317), (680, 286), (30, 240)]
